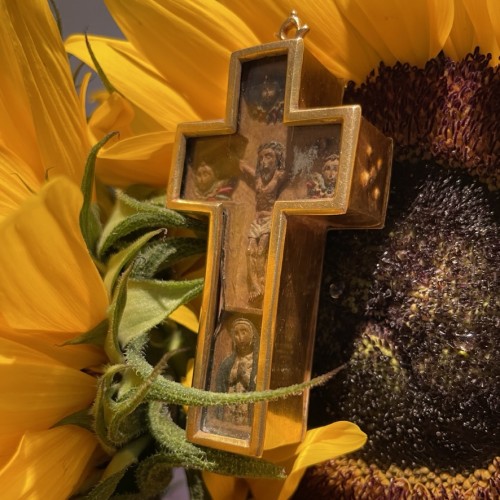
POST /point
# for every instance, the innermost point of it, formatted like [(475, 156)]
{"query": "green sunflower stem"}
[(179, 452), (172, 392)]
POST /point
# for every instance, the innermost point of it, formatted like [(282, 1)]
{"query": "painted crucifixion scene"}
[(249, 171)]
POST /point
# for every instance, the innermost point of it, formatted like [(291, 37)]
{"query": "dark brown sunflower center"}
[(414, 313)]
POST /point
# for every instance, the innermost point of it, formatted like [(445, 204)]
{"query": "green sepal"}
[(178, 452), (115, 313), (120, 404), (57, 16), (196, 485), (96, 336), (149, 302), (104, 79), (116, 469), (163, 253), (172, 392), (152, 477), (80, 418), (104, 489), (130, 215), (115, 422), (90, 224), (119, 260), (100, 409)]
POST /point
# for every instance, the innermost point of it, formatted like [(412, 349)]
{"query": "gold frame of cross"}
[(312, 96)]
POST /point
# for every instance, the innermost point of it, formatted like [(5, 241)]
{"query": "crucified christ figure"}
[(267, 181)]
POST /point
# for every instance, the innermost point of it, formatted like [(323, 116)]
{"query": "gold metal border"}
[(294, 114)]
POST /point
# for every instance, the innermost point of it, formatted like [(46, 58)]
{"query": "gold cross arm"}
[(287, 163)]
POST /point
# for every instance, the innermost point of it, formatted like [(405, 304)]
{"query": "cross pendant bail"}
[(293, 22), (288, 162)]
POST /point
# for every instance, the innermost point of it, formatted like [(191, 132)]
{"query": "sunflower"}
[(50, 289), (40, 136), (84, 331), (43, 382), (416, 317)]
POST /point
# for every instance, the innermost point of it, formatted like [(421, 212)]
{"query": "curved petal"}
[(264, 21), (48, 464), (114, 113), (135, 78), (17, 181), (186, 317), (49, 282), (188, 42), (485, 36), (225, 487), (335, 42), (17, 131), (142, 159), (461, 39), (37, 391), (30, 40), (411, 32), (51, 344), (319, 445), (494, 12)]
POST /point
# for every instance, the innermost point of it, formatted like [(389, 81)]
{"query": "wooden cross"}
[(287, 163)]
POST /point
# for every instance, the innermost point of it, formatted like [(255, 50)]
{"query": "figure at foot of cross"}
[(267, 180)]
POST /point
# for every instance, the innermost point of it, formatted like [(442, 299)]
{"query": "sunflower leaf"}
[(151, 301), (90, 224)]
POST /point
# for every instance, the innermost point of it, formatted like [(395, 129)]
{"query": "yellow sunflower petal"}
[(31, 38), (319, 445), (411, 32), (264, 26), (186, 317), (225, 487), (135, 78), (17, 131), (461, 39), (51, 344), (114, 113), (17, 181), (494, 13), (188, 42), (37, 392), (334, 41), (485, 36), (48, 464), (143, 159), (49, 282)]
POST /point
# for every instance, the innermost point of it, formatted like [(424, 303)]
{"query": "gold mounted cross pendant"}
[(287, 163)]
